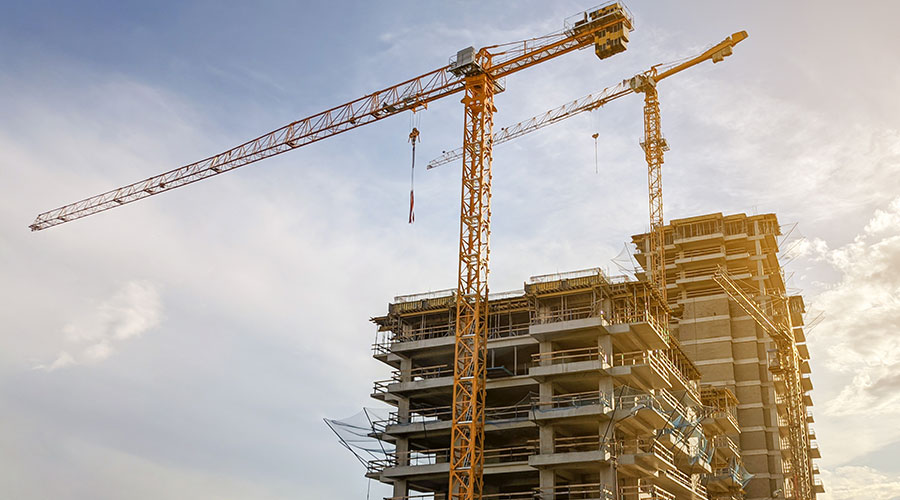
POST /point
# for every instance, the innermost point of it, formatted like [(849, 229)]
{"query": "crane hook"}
[(413, 137)]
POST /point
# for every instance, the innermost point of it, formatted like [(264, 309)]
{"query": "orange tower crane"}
[(478, 74)]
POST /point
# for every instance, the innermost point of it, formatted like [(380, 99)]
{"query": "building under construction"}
[(598, 390)]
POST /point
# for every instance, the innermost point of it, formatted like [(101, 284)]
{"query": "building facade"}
[(596, 390)]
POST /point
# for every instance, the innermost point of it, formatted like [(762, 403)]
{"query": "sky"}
[(190, 345)]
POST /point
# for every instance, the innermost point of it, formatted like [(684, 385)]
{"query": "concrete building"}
[(728, 346), (594, 391)]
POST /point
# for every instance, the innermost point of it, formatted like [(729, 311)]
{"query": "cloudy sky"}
[(189, 345)]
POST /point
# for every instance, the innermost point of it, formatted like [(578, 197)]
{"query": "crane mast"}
[(654, 145), (605, 28)]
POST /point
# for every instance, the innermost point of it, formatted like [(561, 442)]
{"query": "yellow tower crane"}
[(655, 146), (478, 74), (653, 143)]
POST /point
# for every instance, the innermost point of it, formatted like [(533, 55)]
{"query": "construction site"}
[(688, 378), (597, 389)]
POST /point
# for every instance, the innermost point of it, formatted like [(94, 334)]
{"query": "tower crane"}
[(477, 74), (653, 143)]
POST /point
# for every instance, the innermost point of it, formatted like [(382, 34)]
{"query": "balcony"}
[(644, 491), (644, 456), (818, 486), (640, 413), (436, 461), (806, 383), (701, 254), (644, 369), (438, 418), (646, 330), (437, 335), (726, 477), (726, 449), (814, 450), (676, 481), (568, 362), (721, 409), (572, 451), (520, 495), (591, 491), (591, 404)]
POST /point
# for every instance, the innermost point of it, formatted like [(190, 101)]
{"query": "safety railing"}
[(381, 347), (567, 314), (504, 331), (785, 443), (673, 403), (725, 442), (438, 413), (568, 356), (593, 491), (571, 444), (571, 400), (424, 333), (699, 252), (644, 492), (634, 358), (509, 455), (699, 272), (646, 446), (729, 471), (679, 477), (449, 330), (423, 373), (519, 495), (417, 458), (658, 322), (729, 251), (381, 387), (692, 386), (643, 400)]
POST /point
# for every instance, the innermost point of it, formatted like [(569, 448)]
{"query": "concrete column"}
[(402, 449), (608, 478), (604, 342), (545, 347), (403, 410), (546, 434), (400, 488), (547, 480), (405, 367)]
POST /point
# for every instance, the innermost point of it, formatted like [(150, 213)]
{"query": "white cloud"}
[(862, 311), (130, 312), (859, 483), (885, 219)]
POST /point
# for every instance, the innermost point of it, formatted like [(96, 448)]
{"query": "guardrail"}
[(593, 491), (723, 441), (644, 492), (572, 444), (644, 446), (687, 254), (567, 314), (569, 356), (575, 399)]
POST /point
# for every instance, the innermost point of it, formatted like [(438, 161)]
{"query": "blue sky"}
[(189, 345)]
